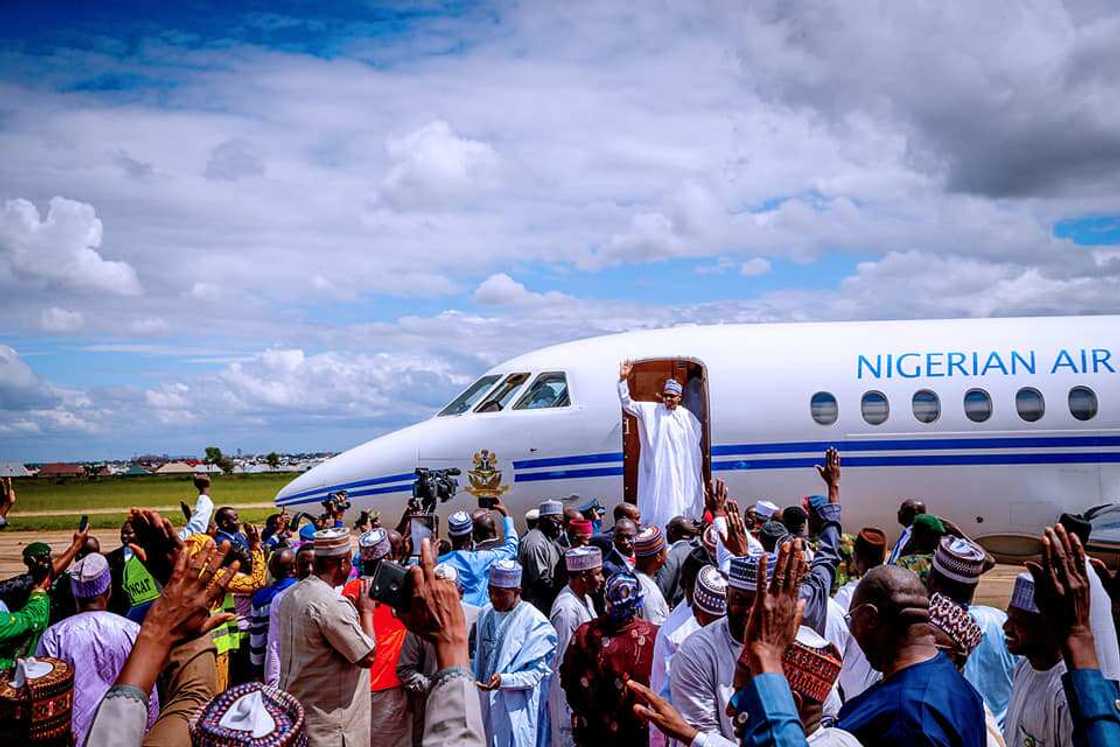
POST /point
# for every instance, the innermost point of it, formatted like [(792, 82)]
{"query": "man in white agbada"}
[(1038, 713), (516, 647), (573, 607), (705, 602), (670, 478)]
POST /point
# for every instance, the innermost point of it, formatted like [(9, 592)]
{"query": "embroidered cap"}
[(1022, 594), (459, 523), (953, 619), (254, 714), (710, 539), (959, 559), (672, 386), (551, 508), (649, 542), (811, 665), (505, 574), (744, 571), (580, 559), (374, 544), (331, 542), (89, 577), (710, 592)]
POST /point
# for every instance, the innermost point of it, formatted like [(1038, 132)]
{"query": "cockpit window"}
[(501, 396), (473, 393), (549, 390)]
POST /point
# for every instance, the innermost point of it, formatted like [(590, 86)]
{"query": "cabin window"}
[(470, 396), (823, 408), (874, 407), (977, 405), (549, 390), (1029, 404), (926, 405), (504, 392), (1082, 403)]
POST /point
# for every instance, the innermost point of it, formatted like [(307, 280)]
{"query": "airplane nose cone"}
[(385, 464)]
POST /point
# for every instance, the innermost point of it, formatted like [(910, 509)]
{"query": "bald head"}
[(889, 610), (485, 525), (629, 511), (282, 563)]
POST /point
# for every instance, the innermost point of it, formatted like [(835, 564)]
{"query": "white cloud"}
[(502, 290), (60, 250), (61, 321), (754, 267), (208, 292), (435, 168)]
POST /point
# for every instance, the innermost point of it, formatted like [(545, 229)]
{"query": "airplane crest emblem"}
[(486, 479)]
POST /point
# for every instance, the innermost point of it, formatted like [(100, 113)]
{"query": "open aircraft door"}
[(646, 380)]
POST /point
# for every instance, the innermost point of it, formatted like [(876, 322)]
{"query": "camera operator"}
[(335, 507), (472, 563)]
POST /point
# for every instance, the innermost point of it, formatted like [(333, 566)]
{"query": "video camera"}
[(433, 486), (337, 503)]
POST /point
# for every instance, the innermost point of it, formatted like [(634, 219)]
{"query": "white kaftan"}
[(568, 612), (654, 607), (1037, 715), (670, 470), (680, 624)]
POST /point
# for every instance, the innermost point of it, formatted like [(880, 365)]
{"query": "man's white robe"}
[(568, 612), (670, 470)]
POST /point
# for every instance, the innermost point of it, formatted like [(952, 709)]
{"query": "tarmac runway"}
[(995, 587)]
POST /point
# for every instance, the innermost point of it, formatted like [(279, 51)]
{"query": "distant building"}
[(175, 468), (14, 469), (61, 469), (135, 470)]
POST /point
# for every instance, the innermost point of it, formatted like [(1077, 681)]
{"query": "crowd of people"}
[(763, 626)]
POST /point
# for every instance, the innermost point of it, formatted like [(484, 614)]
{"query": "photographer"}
[(472, 564)]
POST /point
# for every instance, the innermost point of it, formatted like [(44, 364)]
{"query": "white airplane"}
[(997, 424)]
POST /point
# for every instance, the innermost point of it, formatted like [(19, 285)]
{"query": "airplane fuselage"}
[(997, 424)]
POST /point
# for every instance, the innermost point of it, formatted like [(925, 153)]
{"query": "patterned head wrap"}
[(953, 619), (374, 544), (624, 596), (251, 714), (811, 664)]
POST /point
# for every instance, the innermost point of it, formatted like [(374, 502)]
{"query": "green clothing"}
[(139, 586), (919, 564), (20, 631)]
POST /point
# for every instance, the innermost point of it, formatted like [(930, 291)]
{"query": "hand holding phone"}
[(83, 523)]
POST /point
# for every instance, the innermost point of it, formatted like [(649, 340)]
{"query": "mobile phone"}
[(487, 501), (390, 585), (83, 523)]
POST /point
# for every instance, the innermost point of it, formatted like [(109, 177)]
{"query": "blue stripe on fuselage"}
[(791, 447)]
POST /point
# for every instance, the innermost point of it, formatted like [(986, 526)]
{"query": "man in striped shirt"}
[(282, 567)]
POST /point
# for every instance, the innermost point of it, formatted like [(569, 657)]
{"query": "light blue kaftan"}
[(518, 645)]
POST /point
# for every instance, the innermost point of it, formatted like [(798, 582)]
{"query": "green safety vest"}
[(226, 636), (139, 586)]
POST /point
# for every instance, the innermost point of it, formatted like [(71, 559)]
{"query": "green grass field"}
[(113, 521), (68, 499)]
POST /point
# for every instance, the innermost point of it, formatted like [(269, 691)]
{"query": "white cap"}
[(505, 574)]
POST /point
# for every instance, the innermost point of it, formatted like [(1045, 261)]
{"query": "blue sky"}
[(298, 225)]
